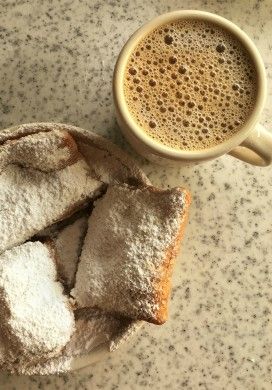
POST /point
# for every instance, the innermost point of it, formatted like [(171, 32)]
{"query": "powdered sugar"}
[(68, 245), (93, 328), (4, 156), (107, 163), (36, 315), (44, 151), (141, 225), (30, 200)]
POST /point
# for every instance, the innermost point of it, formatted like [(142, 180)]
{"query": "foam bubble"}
[(190, 85)]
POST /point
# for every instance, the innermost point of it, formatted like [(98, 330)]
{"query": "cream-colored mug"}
[(252, 143)]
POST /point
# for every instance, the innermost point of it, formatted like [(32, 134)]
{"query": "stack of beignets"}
[(81, 260)]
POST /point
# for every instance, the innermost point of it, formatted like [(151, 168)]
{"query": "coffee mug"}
[(252, 143)]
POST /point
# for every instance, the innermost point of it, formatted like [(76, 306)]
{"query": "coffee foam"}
[(190, 85)]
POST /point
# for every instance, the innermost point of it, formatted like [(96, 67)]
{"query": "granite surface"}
[(56, 61)]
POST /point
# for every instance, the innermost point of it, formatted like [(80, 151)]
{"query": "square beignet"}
[(128, 254)]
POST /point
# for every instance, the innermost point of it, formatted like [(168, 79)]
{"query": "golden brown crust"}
[(164, 285), (71, 144)]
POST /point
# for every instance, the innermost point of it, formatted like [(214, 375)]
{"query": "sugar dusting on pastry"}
[(35, 314), (31, 200), (126, 261), (93, 328), (37, 189), (45, 151)]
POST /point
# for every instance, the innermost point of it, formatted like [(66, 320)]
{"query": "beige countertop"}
[(57, 59)]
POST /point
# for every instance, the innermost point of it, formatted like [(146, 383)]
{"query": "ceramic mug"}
[(252, 143)]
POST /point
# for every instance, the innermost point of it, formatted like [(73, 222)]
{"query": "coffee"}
[(190, 84)]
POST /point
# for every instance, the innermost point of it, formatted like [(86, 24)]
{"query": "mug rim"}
[(164, 150)]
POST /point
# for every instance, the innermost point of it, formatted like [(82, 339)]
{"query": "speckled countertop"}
[(56, 61)]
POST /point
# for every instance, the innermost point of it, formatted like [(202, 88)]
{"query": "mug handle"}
[(256, 149)]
